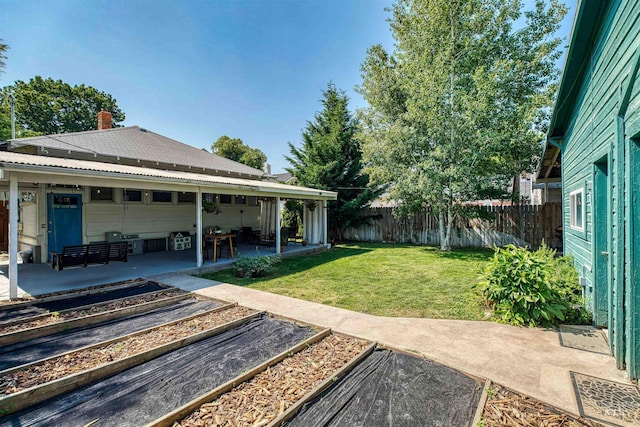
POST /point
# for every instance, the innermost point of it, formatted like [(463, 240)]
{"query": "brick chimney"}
[(104, 120)]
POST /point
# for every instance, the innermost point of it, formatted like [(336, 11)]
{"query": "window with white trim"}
[(576, 209)]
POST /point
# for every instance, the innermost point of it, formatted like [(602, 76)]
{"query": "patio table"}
[(218, 237)]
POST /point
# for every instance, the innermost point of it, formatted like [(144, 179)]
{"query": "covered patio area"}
[(37, 279), (54, 203)]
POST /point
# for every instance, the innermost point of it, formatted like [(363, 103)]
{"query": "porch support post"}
[(199, 240), (13, 236), (277, 224), (324, 223)]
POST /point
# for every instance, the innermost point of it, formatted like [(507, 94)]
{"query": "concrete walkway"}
[(531, 361)]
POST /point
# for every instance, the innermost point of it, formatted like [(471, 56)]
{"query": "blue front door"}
[(64, 220)]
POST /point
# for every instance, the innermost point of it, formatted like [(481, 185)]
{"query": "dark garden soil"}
[(57, 317), (261, 399), (83, 360), (506, 407)]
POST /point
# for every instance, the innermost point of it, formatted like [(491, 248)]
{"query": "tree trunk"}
[(445, 230), (447, 246)]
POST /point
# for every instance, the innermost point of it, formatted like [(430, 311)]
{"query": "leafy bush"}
[(531, 288), (258, 266)]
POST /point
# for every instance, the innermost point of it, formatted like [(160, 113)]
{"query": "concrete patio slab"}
[(529, 360), (37, 279)]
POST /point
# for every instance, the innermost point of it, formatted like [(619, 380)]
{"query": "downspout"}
[(13, 116), (631, 328)]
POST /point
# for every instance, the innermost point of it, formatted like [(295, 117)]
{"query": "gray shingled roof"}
[(136, 143), (283, 177)]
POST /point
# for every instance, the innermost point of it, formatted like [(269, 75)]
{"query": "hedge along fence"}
[(495, 225)]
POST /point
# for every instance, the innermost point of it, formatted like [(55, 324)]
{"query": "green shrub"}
[(258, 266), (531, 288)]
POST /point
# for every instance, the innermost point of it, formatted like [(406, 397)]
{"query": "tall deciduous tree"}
[(330, 159), (47, 106), (458, 109), (235, 149)]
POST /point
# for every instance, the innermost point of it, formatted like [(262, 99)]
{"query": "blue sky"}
[(196, 70)]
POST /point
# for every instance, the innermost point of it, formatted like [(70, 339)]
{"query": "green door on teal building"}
[(596, 123)]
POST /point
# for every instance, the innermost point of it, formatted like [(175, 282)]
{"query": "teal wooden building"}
[(596, 127)]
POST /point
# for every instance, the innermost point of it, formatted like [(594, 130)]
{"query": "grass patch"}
[(380, 279)]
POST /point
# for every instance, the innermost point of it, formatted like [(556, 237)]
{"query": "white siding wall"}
[(159, 219), (28, 226)]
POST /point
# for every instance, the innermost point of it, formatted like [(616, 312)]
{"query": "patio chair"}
[(248, 236), (225, 249), (206, 247)]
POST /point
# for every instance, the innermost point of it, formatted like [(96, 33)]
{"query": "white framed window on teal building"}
[(576, 209)]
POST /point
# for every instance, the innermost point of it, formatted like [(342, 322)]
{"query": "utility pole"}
[(13, 116)]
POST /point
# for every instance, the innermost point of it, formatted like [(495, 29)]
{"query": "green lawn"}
[(380, 279)]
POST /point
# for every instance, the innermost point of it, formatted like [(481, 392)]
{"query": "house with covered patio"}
[(133, 184)]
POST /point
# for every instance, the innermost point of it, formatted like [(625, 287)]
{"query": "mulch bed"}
[(83, 360), (506, 407), (268, 394), (57, 317)]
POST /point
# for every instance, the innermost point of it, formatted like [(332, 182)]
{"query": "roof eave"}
[(290, 191), (586, 25)]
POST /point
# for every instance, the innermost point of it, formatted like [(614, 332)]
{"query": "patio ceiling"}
[(53, 170)]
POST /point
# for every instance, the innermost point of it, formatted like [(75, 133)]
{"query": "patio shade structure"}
[(41, 175)]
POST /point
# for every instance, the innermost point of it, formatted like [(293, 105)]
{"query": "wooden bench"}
[(92, 253)]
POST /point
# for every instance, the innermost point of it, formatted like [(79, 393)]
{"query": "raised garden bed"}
[(37, 298), (34, 374), (146, 392), (395, 388), (506, 407), (80, 297), (62, 342), (84, 311), (270, 393)]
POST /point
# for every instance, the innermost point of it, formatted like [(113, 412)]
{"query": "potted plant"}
[(210, 207), (311, 205)]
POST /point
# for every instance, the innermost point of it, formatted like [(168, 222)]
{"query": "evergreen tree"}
[(330, 159)]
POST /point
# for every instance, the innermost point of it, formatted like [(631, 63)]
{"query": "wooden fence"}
[(495, 225)]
